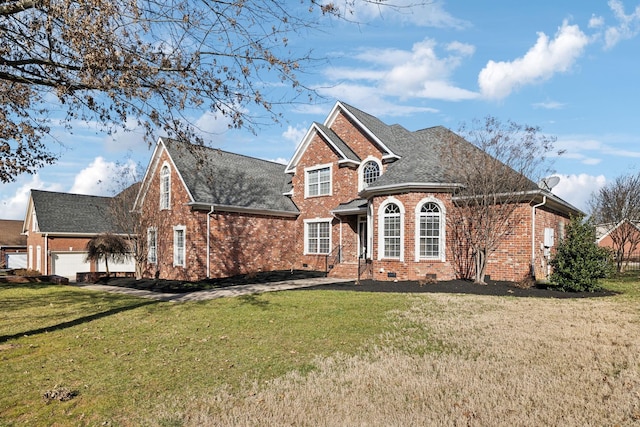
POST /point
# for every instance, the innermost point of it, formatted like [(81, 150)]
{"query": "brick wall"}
[(409, 268), (239, 243)]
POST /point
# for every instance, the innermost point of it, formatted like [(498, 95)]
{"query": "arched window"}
[(430, 230), (370, 172), (165, 187), (392, 231)]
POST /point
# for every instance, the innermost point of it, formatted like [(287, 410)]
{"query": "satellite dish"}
[(549, 183)]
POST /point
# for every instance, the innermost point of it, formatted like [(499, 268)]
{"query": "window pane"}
[(318, 237), (391, 231), (429, 231), (179, 247), (319, 182), (370, 172)]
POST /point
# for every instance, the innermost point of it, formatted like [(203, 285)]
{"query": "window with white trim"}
[(318, 236), (179, 250), (318, 181), (392, 231), (165, 187), (370, 172), (152, 245), (429, 227)]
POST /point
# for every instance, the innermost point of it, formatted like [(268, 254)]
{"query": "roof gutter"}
[(408, 186), (243, 209)]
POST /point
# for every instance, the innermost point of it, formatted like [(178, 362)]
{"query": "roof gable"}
[(225, 180), (72, 213)]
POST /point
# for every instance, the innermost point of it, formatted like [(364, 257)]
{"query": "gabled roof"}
[(11, 233), (228, 181), (66, 213), (603, 230), (381, 133), (420, 165)]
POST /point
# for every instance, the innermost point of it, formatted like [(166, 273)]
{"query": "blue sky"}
[(570, 67)]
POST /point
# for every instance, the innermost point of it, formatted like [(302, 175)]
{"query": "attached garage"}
[(16, 260), (128, 265), (67, 264)]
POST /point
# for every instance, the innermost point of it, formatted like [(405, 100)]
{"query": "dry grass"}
[(459, 360)]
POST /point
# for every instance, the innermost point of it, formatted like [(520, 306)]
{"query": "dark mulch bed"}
[(451, 286), (181, 286), (460, 287)]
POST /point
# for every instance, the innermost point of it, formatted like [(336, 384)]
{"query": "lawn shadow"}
[(255, 300), (75, 322)]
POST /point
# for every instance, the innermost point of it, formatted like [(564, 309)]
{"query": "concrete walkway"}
[(230, 291)]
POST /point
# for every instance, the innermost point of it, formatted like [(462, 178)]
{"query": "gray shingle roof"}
[(351, 207), (10, 233), (422, 153), (342, 146), (216, 177), (72, 213)]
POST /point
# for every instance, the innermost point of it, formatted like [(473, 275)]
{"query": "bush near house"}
[(579, 262)]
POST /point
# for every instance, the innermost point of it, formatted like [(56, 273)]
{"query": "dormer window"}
[(165, 187), (369, 172)]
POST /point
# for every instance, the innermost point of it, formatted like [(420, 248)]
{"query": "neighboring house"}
[(356, 193), (625, 234), (13, 245), (58, 227)]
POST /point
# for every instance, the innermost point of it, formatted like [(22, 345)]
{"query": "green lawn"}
[(120, 356)]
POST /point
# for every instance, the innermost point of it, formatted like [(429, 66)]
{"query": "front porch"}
[(351, 257)]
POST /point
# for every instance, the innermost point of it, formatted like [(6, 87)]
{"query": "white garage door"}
[(16, 260), (128, 265), (67, 264)]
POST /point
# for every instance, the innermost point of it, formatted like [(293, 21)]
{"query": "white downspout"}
[(46, 253), (209, 242), (533, 231)]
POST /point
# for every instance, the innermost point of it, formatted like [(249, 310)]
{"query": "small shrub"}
[(24, 272), (579, 263)]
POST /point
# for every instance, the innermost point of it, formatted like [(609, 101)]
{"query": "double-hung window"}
[(179, 246), (152, 246), (318, 181), (318, 237)]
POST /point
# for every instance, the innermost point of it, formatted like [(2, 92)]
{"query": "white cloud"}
[(101, 178), (420, 73), (370, 98), (596, 21), (426, 14), (15, 206), (628, 25), (577, 189), (549, 105), (294, 134), (547, 57)]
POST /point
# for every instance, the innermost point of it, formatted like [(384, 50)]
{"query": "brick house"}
[(623, 239), (57, 228), (359, 198)]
